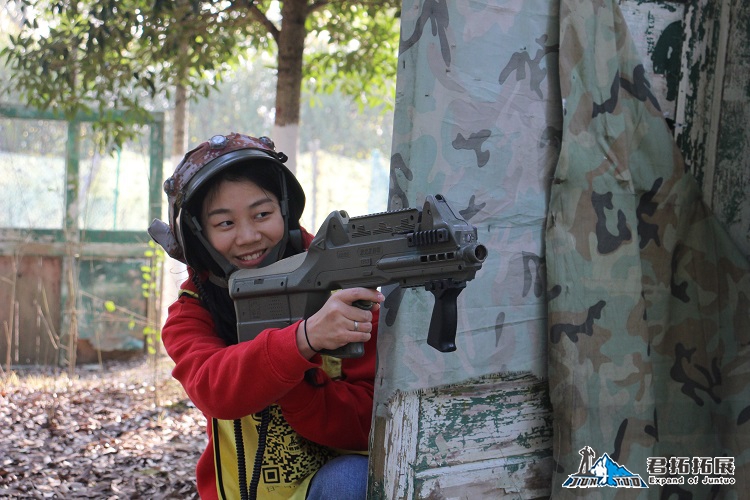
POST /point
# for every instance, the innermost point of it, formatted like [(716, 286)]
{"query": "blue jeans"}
[(343, 478)]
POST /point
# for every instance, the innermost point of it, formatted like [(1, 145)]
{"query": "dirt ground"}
[(112, 431)]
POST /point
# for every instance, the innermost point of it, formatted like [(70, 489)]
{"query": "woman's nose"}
[(247, 233)]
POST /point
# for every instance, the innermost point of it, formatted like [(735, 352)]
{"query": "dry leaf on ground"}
[(123, 430)]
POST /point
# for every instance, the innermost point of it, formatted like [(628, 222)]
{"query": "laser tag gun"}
[(432, 248)]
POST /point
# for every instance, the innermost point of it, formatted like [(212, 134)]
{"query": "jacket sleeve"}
[(338, 414), (229, 382)]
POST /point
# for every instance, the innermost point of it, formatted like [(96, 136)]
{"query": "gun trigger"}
[(363, 304)]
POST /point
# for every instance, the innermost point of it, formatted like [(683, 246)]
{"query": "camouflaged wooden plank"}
[(391, 463), (477, 119), (714, 109), (705, 25), (730, 197), (487, 438)]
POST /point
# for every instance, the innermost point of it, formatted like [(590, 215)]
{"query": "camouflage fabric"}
[(606, 272), (477, 120), (648, 299)]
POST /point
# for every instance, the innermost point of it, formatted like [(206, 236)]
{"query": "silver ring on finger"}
[(356, 326)]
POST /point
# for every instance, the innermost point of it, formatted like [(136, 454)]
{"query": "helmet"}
[(182, 237)]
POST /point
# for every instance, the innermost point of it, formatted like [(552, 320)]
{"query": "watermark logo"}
[(602, 472), (690, 470)]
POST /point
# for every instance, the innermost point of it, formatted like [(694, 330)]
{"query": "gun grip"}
[(353, 349), (442, 332), (350, 350)]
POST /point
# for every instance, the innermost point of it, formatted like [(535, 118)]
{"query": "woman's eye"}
[(224, 223)]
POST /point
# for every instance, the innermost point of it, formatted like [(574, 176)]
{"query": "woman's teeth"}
[(252, 256)]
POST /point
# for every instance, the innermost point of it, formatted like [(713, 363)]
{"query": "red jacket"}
[(231, 382)]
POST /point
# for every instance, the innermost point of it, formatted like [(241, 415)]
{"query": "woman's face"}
[(242, 222)]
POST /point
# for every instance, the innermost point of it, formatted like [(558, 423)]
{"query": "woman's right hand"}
[(339, 322)]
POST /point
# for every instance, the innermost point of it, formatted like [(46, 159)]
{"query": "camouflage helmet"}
[(194, 172)]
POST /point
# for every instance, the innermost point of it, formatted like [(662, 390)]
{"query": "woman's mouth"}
[(251, 259)]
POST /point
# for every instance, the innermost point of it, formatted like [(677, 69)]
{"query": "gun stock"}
[(432, 248)]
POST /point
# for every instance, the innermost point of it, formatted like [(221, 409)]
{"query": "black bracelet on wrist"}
[(307, 339)]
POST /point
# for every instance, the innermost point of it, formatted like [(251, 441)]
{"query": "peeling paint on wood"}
[(398, 432), (485, 438), (714, 109), (731, 185), (656, 30)]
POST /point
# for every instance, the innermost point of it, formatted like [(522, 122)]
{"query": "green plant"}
[(151, 288), (151, 284), (151, 274)]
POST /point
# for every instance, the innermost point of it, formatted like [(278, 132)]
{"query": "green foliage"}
[(86, 56), (150, 286), (243, 102), (151, 274), (358, 55), (66, 58)]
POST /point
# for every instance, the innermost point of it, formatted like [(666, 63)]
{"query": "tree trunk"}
[(289, 80), (179, 139)]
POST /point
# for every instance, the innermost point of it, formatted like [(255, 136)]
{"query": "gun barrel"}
[(475, 253), (472, 254)]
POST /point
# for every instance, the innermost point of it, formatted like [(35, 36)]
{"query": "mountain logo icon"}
[(602, 472)]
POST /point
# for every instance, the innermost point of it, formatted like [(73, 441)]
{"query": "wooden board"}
[(486, 438), (30, 312)]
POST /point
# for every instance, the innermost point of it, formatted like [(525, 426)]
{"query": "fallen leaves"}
[(124, 431)]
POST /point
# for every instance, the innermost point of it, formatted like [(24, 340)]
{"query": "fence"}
[(74, 252)]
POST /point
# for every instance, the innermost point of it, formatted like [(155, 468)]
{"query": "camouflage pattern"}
[(648, 298), (606, 274), (477, 119)]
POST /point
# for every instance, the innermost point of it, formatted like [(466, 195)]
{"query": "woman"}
[(283, 420)]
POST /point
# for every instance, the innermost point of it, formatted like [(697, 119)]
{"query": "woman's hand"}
[(339, 322)]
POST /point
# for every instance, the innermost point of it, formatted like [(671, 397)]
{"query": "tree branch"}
[(260, 16), (317, 4)]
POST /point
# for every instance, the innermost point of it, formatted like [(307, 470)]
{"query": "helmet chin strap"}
[(226, 267), (276, 253)]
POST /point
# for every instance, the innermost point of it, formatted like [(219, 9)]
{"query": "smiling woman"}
[(302, 430), (241, 219)]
